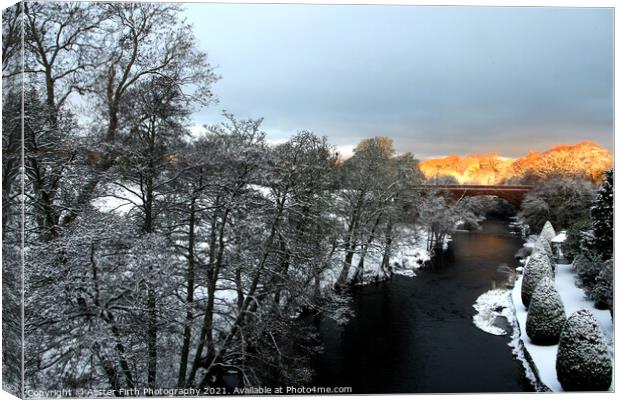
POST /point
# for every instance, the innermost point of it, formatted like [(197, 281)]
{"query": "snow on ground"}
[(491, 305), (408, 254), (574, 299), (120, 200)]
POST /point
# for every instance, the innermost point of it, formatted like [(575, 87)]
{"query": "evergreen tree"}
[(587, 267), (561, 201), (602, 214), (603, 291), (583, 362), (542, 244), (537, 268), (546, 315), (547, 232), (577, 238)]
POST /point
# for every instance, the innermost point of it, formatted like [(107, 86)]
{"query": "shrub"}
[(562, 200), (577, 238), (603, 292), (602, 214), (536, 268), (546, 316), (582, 361), (547, 232), (587, 268), (545, 246)]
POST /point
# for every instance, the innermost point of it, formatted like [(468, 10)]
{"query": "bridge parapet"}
[(514, 194)]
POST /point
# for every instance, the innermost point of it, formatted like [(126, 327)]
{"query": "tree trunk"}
[(189, 300), (216, 259), (349, 246), (152, 328), (317, 272), (359, 271), (387, 252), (249, 299), (152, 339)]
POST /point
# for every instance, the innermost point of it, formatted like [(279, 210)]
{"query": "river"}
[(416, 335)]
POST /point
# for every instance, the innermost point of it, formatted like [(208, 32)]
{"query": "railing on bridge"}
[(498, 187), (514, 194)]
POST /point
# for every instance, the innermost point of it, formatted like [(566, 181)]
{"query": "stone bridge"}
[(514, 194)]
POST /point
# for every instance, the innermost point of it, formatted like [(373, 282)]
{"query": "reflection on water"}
[(415, 335)]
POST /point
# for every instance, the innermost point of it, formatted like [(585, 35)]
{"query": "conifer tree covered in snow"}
[(582, 361), (547, 232), (578, 238), (603, 291), (537, 268), (544, 240), (562, 201), (546, 316), (545, 246), (587, 268), (602, 214)]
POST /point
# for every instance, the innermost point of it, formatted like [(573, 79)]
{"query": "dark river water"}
[(416, 335)]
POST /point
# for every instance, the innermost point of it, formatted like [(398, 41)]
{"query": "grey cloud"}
[(439, 80)]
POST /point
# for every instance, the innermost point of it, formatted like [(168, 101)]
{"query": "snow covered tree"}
[(560, 200), (546, 316), (139, 42), (80, 340), (228, 160), (12, 18), (547, 232), (393, 199), (362, 205), (588, 268), (149, 40), (602, 213), (50, 158), (403, 202), (375, 187), (444, 180), (12, 321), (544, 246), (441, 217), (578, 238), (583, 362), (61, 48), (536, 268), (603, 291)]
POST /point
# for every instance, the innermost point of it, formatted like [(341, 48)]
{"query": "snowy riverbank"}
[(409, 253), (538, 361), (574, 298)]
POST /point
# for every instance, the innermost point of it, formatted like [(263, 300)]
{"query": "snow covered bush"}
[(603, 291), (546, 316), (562, 201), (536, 268), (582, 361), (547, 232), (578, 238), (544, 241), (587, 268), (544, 245), (602, 214)]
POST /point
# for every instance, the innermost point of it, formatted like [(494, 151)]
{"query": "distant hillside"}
[(584, 158)]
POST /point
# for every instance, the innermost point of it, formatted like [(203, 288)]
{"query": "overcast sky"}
[(438, 80)]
